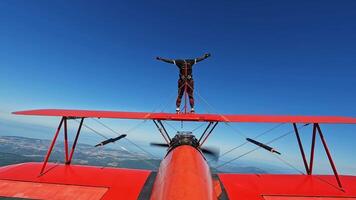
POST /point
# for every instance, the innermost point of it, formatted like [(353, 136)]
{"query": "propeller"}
[(159, 144), (212, 151), (209, 151)]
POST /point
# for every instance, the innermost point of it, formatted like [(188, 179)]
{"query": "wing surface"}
[(190, 116), (287, 187), (71, 182)]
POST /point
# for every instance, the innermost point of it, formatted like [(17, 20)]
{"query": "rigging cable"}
[(102, 135), (93, 130), (170, 125), (167, 103), (212, 108), (257, 136), (198, 127), (248, 152), (279, 157), (131, 142)]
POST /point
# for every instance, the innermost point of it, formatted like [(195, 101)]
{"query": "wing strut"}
[(75, 141), (309, 168), (162, 130), (52, 145), (68, 158), (301, 148), (207, 133)]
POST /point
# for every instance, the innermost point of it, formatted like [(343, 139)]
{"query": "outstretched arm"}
[(207, 55), (166, 60)]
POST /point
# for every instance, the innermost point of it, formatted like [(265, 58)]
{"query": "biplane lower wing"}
[(189, 116), (287, 187), (71, 182)]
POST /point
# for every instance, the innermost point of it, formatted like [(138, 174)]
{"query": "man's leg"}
[(180, 94), (190, 91)]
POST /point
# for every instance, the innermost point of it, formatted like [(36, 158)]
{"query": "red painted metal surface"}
[(306, 198), (191, 116), (121, 183), (329, 155), (183, 174), (126, 184), (75, 141), (66, 141), (51, 146), (312, 151), (301, 148), (51, 191), (255, 186)]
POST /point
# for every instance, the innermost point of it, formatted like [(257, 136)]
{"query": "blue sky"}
[(280, 57)]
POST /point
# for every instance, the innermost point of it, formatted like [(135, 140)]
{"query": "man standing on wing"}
[(185, 81)]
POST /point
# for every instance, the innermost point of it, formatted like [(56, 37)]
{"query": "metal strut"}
[(309, 169), (162, 130), (207, 133), (329, 155), (68, 157), (65, 140), (301, 148), (206, 129), (75, 141), (52, 145), (311, 163)]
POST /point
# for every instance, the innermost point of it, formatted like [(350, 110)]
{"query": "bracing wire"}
[(198, 127), (235, 130), (137, 146), (257, 136), (102, 135), (93, 130), (170, 125), (204, 100), (131, 142), (248, 152), (301, 172), (288, 164), (165, 105), (212, 109), (144, 160), (136, 126)]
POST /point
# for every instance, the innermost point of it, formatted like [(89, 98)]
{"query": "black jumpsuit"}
[(185, 81)]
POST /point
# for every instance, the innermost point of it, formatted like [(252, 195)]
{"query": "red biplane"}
[(183, 173)]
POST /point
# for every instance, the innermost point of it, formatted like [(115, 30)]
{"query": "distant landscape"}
[(15, 149)]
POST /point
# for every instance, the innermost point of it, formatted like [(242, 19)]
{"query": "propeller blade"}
[(110, 140), (268, 148), (159, 144), (213, 152)]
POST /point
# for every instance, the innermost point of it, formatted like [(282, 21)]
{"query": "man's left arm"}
[(205, 56)]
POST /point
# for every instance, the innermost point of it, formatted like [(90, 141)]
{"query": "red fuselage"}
[(183, 174)]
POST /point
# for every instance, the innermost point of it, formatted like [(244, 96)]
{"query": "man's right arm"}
[(166, 60)]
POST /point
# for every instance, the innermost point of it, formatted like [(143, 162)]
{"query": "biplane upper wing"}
[(189, 116), (87, 182)]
